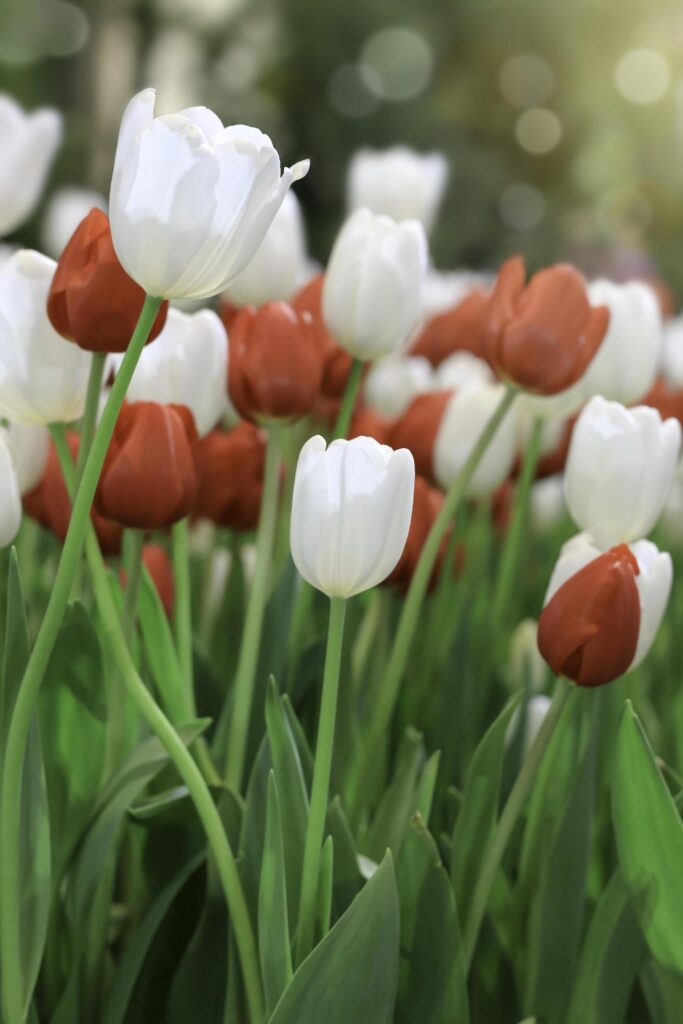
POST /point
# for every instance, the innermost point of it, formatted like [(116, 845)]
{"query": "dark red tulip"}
[(230, 476)]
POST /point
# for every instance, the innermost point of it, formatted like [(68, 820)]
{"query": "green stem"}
[(245, 675), (14, 998), (508, 819), (321, 782), (133, 543), (184, 763), (92, 402), (389, 688), (183, 608), (509, 562), (341, 427)]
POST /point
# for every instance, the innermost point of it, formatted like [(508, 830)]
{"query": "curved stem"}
[(508, 819), (92, 402), (245, 675), (341, 427), (321, 781), (14, 998)]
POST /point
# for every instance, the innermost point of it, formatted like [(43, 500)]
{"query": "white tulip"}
[(372, 292), (65, 211), (443, 290), (464, 421), (547, 505), (351, 512), (398, 182), (672, 353), (186, 365), (191, 201), (43, 378), (29, 143), (29, 446), (624, 367), (280, 265), (460, 369), (574, 555), (10, 499), (619, 470), (394, 381)]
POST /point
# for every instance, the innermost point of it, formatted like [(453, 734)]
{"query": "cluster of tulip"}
[(433, 394)]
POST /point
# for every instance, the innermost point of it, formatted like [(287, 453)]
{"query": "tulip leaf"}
[(160, 650), (346, 878), (649, 835), (663, 992), (399, 802), (611, 956), (352, 974), (15, 655), (273, 925)]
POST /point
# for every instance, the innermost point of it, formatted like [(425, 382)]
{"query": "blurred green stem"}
[(321, 781), (247, 665), (92, 403), (14, 998), (494, 854), (341, 427)]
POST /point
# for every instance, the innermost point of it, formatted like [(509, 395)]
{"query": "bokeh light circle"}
[(400, 62), (526, 80), (538, 130), (642, 76), (521, 206)]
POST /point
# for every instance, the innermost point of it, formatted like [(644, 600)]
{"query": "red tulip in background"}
[(417, 428), (427, 502), (336, 360), (455, 330), (230, 476)]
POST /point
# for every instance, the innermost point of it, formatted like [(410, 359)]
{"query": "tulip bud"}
[(29, 143), (398, 182), (619, 470), (10, 499), (336, 360), (371, 294), (92, 299), (230, 476), (625, 365), (148, 480), (418, 427), (48, 503), (427, 502), (351, 512), (186, 366), (29, 447), (464, 420), (191, 201), (462, 368), (459, 329), (393, 381), (157, 563), (65, 211), (43, 379), (280, 265), (542, 336), (275, 363)]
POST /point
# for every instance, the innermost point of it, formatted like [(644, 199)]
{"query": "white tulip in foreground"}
[(29, 143), (191, 200), (653, 581), (625, 365), (186, 365), (394, 381), (463, 423), (43, 378), (65, 211), (351, 512), (280, 265), (399, 182), (373, 284), (619, 470), (10, 498), (29, 446)]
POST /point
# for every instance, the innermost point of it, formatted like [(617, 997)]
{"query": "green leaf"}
[(399, 802), (426, 785), (325, 886), (16, 651), (160, 650), (347, 878), (611, 956), (649, 836), (663, 992), (273, 926), (352, 974)]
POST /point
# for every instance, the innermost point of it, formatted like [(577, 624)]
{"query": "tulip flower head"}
[(187, 365), (542, 336), (462, 368), (29, 143), (191, 201), (29, 447), (619, 470), (10, 499), (351, 512), (393, 382), (230, 476), (92, 299), (43, 379), (372, 289), (418, 427), (148, 480), (427, 502), (275, 364), (461, 328), (398, 182), (336, 360)]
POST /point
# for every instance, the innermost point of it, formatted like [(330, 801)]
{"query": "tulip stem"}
[(510, 557), (247, 665), (14, 997), (493, 855), (341, 427), (391, 681), (132, 557), (183, 609), (92, 403), (315, 827)]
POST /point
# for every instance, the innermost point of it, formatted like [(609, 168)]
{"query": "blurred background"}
[(562, 123)]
